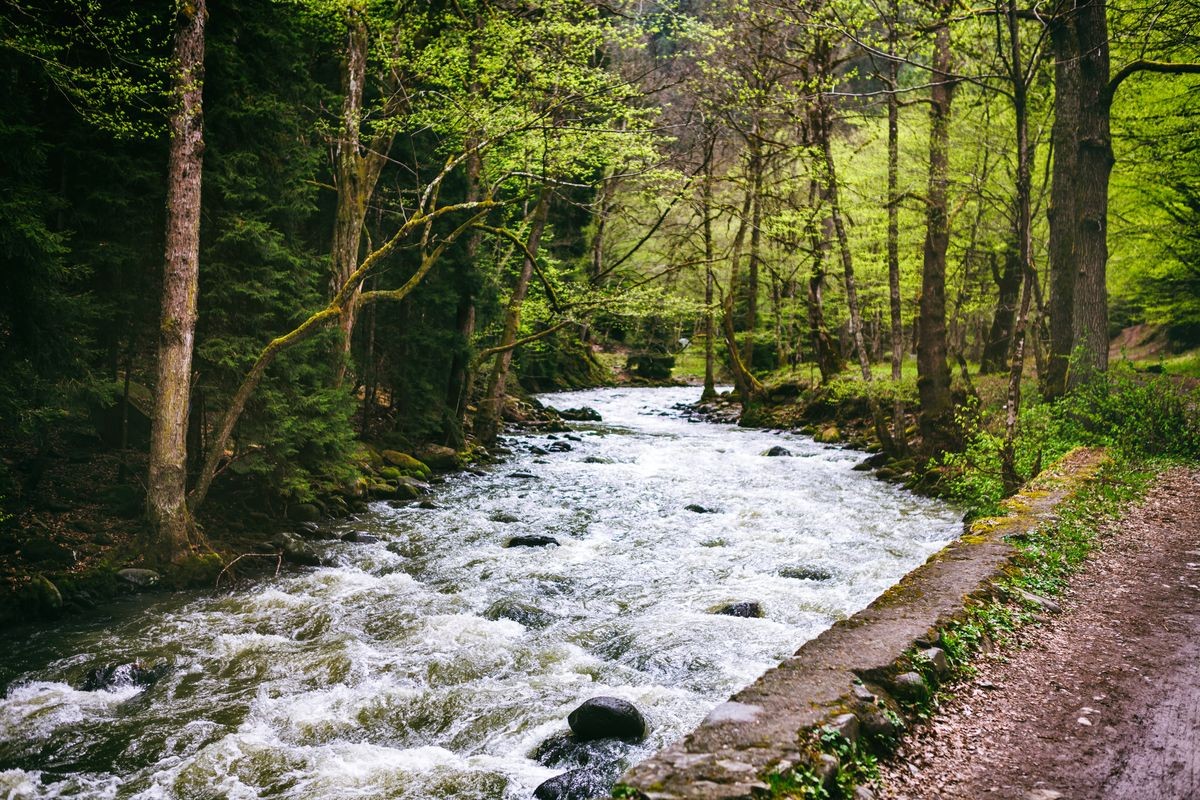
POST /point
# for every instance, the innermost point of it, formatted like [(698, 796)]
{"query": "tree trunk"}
[(1094, 166), (829, 362), (1062, 205), (487, 423), (756, 181), (710, 387), (356, 172), (933, 372), (1000, 336), (173, 531), (899, 439), (1012, 480)]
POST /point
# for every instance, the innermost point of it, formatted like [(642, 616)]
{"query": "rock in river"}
[(698, 509), (805, 572), (115, 677), (581, 414), (530, 541), (748, 610), (607, 717), (578, 784), (777, 451)]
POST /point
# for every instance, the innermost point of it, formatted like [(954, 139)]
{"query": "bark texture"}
[(933, 371), (166, 496)]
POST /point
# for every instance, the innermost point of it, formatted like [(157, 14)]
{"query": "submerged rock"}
[(503, 518), (520, 612), (805, 572), (358, 537), (747, 610), (559, 447), (698, 509), (565, 751), (116, 677), (607, 717), (777, 451), (578, 784), (531, 541)]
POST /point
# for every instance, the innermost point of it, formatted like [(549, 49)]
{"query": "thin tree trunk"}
[(710, 387), (756, 175), (487, 423), (856, 321), (933, 372), (1012, 480), (173, 531), (899, 439)]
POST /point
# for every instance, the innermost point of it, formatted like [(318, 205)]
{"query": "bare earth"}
[(1100, 703)]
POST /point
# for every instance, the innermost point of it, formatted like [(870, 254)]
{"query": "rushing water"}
[(400, 673)]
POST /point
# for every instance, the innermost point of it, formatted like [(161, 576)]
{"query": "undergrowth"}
[(1132, 414)]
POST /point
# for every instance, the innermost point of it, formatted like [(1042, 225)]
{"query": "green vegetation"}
[(393, 218)]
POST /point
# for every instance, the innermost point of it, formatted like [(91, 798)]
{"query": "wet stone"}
[(698, 509), (577, 784), (747, 610), (777, 451), (607, 717), (805, 572), (138, 577), (531, 541)]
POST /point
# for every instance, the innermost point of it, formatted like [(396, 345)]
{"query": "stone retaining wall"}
[(852, 675)]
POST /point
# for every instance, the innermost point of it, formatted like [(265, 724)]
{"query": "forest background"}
[(382, 219)]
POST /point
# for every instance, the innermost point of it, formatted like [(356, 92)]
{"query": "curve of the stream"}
[(432, 663)]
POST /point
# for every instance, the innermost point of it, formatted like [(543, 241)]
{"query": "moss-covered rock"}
[(406, 464)]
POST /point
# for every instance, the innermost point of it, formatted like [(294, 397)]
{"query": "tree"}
[(174, 533), (933, 382)]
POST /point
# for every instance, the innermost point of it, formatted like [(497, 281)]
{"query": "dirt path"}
[(1102, 703)]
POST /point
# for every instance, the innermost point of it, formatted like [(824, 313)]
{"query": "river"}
[(431, 664)]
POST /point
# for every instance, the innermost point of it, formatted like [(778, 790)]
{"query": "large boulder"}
[(607, 717)]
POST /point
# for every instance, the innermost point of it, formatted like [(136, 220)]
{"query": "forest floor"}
[(1098, 703)]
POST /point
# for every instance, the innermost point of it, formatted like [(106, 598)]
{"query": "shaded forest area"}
[(250, 247)]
